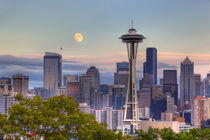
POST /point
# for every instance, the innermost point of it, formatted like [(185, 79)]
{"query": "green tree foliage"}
[(4, 125), (151, 134), (59, 118), (168, 134), (56, 118)]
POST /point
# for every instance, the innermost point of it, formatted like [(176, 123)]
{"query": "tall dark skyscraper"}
[(52, 73), (170, 84), (121, 76), (187, 71), (150, 66)]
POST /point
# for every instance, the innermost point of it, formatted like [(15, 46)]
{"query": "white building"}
[(200, 110), (113, 118), (6, 101), (84, 107)]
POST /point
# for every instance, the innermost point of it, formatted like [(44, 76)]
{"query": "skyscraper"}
[(85, 88), (170, 84), (121, 76), (94, 75), (187, 70), (6, 86), (20, 83), (70, 78), (206, 86), (195, 85), (6, 101), (200, 110), (150, 66), (118, 96), (158, 103), (52, 73), (73, 89)]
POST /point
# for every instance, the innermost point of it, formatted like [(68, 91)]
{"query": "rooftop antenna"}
[(132, 23), (61, 49)]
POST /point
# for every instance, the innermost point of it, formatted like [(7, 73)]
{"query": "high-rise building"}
[(113, 118), (107, 95), (52, 73), (118, 96), (206, 86), (99, 99), (170, 84), (145, 97), (70, 78), (187, 71), (6, 86), (200, 110), (171, 107), (20, 83), (158, 103), (73, 89), (121, 76), (40, 91), (150, 66), (6, 101), (94, 75), (96, 99), (195, 85), (85, 88), (146, 82), (89, 85)]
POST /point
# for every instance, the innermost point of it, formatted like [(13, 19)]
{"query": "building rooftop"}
[(187, 60), (51, 54)]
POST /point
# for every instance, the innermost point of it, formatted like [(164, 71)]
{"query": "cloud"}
[(162, 65), (15, 60)]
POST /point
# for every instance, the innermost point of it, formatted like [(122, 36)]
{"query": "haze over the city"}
[(28, 29)]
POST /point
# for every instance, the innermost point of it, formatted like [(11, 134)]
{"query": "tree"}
[(56, 118), (151, 134), (4, 125)]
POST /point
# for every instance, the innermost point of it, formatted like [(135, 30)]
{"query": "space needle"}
[(131, 113)]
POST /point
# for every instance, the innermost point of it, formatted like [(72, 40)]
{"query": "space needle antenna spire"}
[(131, 113), (132, 23)]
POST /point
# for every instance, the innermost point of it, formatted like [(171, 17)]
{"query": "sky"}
[(29, 28)]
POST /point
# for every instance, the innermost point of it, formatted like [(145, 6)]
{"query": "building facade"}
[(122, 73), (118, 96), (150, 66), (52, 73), (70, 78), (20, 83), (187, 71), (170, 84), (200, 110)]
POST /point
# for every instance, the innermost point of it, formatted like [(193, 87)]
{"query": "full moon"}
[(78, 37)]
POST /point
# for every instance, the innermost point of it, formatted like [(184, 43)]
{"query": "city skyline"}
[(29, 29)]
